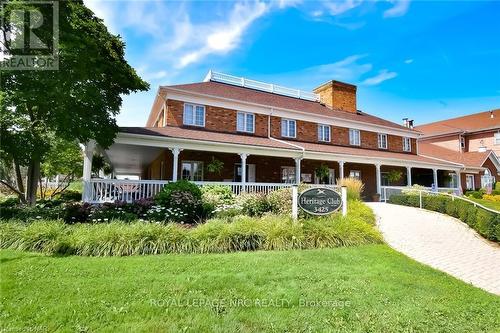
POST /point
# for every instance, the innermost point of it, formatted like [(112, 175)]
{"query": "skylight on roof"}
[(262, 86)]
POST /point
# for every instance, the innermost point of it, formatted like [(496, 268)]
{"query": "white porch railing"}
[(110, 190), (387, 191)]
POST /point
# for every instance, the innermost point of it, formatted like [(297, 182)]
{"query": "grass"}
[(487, 203), (357, 289)]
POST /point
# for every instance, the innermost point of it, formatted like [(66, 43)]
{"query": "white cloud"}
[(408, 61), (226, 36), (399, 8), (288, 3), (340, 7), (382, 76), (103, 10)]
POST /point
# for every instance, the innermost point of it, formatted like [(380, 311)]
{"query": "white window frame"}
[(285, 128), (288, 174), (245, 116), (354, 137), (192, 121), (324, 133), (496, 138), (407, 144), (355, 171), (469, 176), (191, 175), (382, 140)]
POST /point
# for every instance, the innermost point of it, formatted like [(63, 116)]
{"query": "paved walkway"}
[(441, 242)]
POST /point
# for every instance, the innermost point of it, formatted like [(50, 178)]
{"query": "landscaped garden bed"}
[(184, 219)]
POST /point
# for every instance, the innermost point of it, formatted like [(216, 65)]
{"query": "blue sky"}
[(419, 59)]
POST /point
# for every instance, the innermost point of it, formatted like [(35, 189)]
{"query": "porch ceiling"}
[(131, 159)]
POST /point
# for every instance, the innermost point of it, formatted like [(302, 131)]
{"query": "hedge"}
[(484, 222)]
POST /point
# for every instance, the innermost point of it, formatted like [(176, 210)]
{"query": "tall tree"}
[(77, 102)]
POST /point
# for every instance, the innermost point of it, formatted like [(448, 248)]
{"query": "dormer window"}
[(288, 129), (462, 142), (245, 122), (194, 115)]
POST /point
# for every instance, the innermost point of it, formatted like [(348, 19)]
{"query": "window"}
[(354, 137), (288, 175), (192, 170), (469, 182), (324, 133), (462, 142), (288, 128), (496, 141), (406, 144), (355, 174), (245, 122), (194, 115), (382, 141)]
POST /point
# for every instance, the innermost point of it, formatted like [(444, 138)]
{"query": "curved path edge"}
[(442, 242)]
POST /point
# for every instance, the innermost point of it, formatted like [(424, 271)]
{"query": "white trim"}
[(245, 121), (194, 106), (473, 182), (405, 138), (228, 103), (288, 121), (354, 142), (321, 132), (379, 141)]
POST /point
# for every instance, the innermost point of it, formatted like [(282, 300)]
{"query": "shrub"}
[(164, 197), (354, 187), (215, 197), (77, 212), (280, 201), (253, 204), (69, 195), (475, 194), (484, 222), (243, 233)]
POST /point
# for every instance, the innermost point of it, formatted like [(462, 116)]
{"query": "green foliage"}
[(253, 204), (484, 222), (322, 172), (182, 201), (215, 166), (394, 176), (476, 194), (78, 102), (280, 201), (164, 197), (242, 233), (216, 197)]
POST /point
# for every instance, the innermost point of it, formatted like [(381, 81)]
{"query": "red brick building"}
[(259, 136), (472, 140)]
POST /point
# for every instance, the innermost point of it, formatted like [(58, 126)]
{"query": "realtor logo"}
[(29, 38)]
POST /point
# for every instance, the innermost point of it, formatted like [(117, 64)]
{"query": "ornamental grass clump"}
[(354, 186), (218, 235)]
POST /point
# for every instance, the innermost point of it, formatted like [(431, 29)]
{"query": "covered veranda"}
[(144, 162)]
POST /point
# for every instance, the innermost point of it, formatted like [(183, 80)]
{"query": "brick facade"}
[(338, 95), (224, 120)]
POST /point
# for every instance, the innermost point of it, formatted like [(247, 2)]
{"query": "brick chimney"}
[(338, 95)]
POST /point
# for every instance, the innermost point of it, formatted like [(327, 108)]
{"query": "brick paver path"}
[(441, 242)]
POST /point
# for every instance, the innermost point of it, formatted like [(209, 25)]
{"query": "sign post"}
[(343, 192), (294, 203)]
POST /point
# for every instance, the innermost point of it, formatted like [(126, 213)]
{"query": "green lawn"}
[(487, 203), (367, 288)]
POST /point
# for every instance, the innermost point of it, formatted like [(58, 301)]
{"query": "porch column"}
[(408, 175), (297, 170), (379, 179), (88, 154), (459, 182), (435, 176), (243, 171), (175, 167), (341, 169)]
